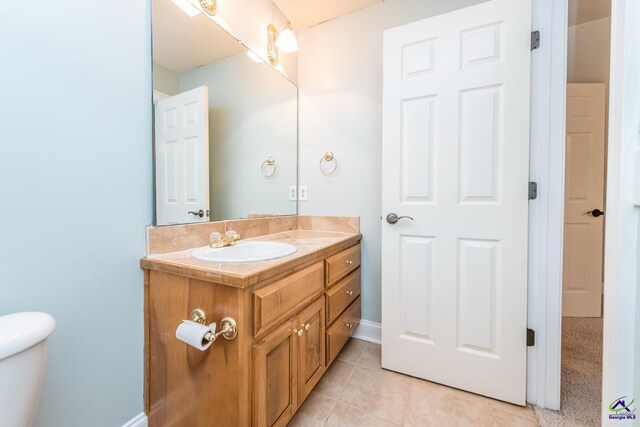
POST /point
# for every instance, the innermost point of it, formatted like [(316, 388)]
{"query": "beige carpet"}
[(581, 385)]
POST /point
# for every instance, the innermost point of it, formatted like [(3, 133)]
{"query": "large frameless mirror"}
[(225, 124)]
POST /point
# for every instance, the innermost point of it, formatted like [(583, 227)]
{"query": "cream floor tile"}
[(334, 380), (352, 350), (381, 393), (314, 411), (356, 391), (432, 404), (371, 356), (344, 415)]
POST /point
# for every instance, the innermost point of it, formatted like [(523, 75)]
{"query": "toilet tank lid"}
[(19, 331)]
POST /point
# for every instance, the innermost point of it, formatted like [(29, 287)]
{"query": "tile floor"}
[(356, 392)]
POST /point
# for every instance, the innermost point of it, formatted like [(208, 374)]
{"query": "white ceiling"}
[(307, 13), (182, 43), (581, 11)]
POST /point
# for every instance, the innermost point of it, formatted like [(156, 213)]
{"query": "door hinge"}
[(535, 40), (533, 190), (531, 337)]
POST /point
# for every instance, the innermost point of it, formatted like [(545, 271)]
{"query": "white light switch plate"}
[(302, 192)]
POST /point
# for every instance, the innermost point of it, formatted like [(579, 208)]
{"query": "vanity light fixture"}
[(272, 48), (209, 6), (187, 7), (287, 41), (284, 40)]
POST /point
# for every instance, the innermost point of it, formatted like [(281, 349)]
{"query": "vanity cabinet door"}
[(275, 377), (311, 365)]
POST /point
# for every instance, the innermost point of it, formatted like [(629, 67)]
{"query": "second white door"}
[(182, 157), (456, 160), (584, 201)]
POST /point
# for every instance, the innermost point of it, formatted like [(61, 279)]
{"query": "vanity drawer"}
[(340, 332), (279, 299), (341, 264), (340, 296)]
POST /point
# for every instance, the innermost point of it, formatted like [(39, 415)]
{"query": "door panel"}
[(584, 191), (312, 348), (275, 375), (456, 160)]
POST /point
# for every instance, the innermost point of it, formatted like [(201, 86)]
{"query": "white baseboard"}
[(369, 331), (139, 421)]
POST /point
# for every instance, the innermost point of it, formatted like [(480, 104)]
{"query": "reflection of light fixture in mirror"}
[(209, 6), (186, 7), (284, 40)]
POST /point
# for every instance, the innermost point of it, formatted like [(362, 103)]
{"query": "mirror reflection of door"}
[(584, 200), (182, 157), (252, 116)]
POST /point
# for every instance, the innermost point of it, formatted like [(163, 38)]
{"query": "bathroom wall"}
[(340, 83), (75, 184), (252, 116), (588, 51), (165, 80)]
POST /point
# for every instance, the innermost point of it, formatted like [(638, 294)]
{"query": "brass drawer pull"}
[(348, 262), (349, 325), (348, 292), (306, 327)]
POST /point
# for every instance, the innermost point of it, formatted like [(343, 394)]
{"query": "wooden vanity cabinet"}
[(290, 328), (288, 363)]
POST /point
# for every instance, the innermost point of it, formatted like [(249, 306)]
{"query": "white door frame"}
[(621, 292), (546, 213)]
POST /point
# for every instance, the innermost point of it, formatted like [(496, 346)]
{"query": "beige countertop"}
[(312, 246)]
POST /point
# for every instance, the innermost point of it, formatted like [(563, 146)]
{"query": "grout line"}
[(344, 387), (335, 403)]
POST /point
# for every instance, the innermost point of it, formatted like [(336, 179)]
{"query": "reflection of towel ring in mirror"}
[(269, 162), (328, 158)]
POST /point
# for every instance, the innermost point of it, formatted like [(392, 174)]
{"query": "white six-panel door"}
[(456, 159), (584, 192), (182, 157)]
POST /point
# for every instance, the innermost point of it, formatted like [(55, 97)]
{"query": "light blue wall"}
[(252, 116), (76, 194), (340, 83)]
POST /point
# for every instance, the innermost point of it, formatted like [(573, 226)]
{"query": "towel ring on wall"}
[(264, 169), (326, 159)]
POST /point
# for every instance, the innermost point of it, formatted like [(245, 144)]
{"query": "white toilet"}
[(23, 355)]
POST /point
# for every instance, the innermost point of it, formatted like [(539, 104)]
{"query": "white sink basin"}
[(248, 251)]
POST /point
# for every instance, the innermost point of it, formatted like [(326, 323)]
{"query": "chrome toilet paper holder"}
[(228, 326)]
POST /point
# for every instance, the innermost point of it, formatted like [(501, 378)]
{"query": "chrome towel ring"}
[(327, 159), (268, 168)]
